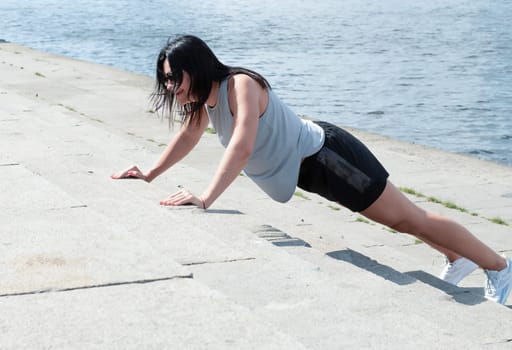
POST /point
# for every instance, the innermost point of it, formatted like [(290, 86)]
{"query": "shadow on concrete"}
[(467, 296), (224, 211), (370, 265)]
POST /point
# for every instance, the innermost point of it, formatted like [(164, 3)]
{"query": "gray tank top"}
[(283, 140)]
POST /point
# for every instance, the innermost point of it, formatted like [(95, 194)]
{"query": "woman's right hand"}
[(131, 173)]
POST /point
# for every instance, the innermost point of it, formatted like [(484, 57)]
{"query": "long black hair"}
[(191, 54)]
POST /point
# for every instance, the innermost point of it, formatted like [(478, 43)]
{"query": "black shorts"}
[(343, 171)]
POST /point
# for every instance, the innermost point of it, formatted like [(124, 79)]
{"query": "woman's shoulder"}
[(243, 88), (240, 83), (241, 79)]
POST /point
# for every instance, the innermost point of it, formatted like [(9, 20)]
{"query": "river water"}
[(437, 73)]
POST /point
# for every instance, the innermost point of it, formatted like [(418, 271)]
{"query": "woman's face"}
[(181, 91)]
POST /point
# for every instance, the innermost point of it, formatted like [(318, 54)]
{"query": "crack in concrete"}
[(77, 206), (504, 341), (101, 285), (193, 263)]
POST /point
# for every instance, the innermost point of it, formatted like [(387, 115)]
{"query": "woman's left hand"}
[(183, 197)]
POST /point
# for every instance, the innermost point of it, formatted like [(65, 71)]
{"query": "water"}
[(437, 73)]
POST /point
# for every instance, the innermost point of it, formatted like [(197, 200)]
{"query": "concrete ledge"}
[(91, 262)]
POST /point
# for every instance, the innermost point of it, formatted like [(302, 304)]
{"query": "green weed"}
[(301, 195), (363, 220), (447, 204), (499, 221)]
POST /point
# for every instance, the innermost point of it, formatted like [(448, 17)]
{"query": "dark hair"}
[(191, 54)]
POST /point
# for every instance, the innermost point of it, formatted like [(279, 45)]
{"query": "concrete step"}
[(83, 161), (328, 230), (128, 122), (88, 152), (69, 250), (251, 268), (170, 314)]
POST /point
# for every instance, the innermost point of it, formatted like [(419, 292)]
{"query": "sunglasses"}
[(173, 78)]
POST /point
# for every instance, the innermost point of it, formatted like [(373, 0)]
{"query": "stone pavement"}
[(91, 263)]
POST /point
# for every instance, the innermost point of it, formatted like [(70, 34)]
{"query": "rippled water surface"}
[(437, 73)]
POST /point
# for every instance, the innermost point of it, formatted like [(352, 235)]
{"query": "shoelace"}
[(450, 266), (490, 286)]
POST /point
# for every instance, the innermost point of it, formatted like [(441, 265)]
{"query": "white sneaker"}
[(454, 272), (499, 283)]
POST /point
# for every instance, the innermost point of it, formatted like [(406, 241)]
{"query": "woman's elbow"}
[(244, 152)]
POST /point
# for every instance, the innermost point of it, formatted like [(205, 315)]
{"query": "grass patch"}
[(447, 204), (301, 195), (210, 131), (499, 221), (40, 75), (434, 200), (454, 206), (333, 207), (68, 107), (363, 220), (451, 205), (411, 191), (390, 230)]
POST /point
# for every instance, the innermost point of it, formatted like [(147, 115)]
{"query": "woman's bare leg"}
[(396, 211), (450, 255)]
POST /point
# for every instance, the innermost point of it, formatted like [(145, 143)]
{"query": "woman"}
[(279, 151)]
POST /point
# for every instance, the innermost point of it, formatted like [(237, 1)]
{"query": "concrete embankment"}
[(88, 262)]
